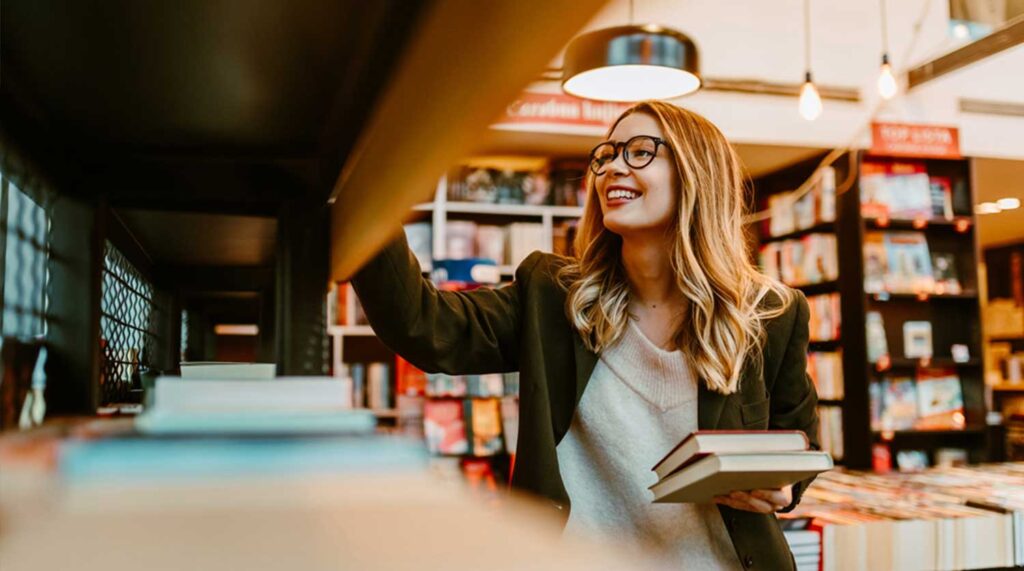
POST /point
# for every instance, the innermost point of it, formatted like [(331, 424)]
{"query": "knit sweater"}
[(639, 403)]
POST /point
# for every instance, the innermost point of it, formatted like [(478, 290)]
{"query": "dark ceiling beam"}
[(1001, 40), (204, 279), (465, 62)]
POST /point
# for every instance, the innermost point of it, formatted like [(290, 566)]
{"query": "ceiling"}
[(226, 105), (198, 239)]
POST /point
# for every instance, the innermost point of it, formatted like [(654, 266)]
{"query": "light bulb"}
[(961, 31), (810, 101), (886, 80), (1008, 203), (989, 208)]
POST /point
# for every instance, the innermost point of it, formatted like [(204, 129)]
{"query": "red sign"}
[(561, 109), (924, 141)]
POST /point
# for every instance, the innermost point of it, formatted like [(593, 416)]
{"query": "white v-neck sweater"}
[(639, 403)]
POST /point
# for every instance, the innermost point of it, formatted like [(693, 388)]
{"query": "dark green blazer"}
[(523, 327)]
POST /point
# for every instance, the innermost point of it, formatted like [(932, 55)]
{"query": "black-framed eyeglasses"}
[(638, 152)]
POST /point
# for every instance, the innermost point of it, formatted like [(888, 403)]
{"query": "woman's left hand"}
[(759, 501)]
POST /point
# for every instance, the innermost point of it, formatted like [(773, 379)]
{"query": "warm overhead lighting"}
[(226, 329), (886, 80), (989, 208), (1008, 203), (961, 31), (810, 101), (631, 63)]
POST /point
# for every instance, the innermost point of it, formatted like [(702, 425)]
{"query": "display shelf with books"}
[(903, 302)]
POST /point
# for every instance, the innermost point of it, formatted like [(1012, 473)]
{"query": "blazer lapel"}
[(709, 407), (585, 363)]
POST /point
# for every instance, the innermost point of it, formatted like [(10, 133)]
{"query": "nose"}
[(618, 167)]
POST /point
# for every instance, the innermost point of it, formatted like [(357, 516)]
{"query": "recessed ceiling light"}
[(1008, 203), (989, 208)]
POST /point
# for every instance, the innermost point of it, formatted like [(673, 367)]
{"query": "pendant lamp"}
[(631, 63), (810, 100), (887, 86)]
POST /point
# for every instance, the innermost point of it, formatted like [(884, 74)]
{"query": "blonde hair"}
[(728, 299)]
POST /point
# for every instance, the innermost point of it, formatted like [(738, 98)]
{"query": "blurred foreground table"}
[(366, 519)]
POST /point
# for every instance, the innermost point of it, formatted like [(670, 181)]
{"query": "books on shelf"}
[(826, 371), (903, 190), (825, 318), (934, 401), (519, 180), (789, 213), (444, 427), (897, 262), (944, 271), (420, 236), (490, 243), (917, 339), (485, 416), (343, 306), (460, 240), (878, 345), (830, 430), (524, 238), (711, 463), (808, 260), (378, 386)]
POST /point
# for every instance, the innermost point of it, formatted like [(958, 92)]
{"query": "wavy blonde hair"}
[(728, 299)]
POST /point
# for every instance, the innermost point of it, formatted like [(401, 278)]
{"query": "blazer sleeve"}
[(794, 401), (470, 332)]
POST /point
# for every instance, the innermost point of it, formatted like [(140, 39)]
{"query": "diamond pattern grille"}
[(127, 325)]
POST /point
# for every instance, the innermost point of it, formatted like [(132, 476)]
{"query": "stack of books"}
[(710, 463), (943, 518)]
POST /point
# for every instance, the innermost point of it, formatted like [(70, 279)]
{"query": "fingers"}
[(759, 501)]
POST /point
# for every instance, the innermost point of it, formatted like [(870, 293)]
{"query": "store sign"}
[(560, 109), (924, 141)]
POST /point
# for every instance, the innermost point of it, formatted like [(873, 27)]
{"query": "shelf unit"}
[(955, 318)]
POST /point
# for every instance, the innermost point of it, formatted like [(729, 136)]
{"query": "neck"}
[(649, 271)]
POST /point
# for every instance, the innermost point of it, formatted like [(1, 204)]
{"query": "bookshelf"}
[(954, 317), (1004, 345)]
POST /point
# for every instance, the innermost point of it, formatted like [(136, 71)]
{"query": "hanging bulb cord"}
[(631, 13), (885, 33), (807, 38), (835, 154)]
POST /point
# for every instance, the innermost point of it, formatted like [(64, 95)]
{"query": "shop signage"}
[(925, 141), (560, 109)]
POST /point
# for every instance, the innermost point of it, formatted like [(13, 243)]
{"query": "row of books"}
[(932, 400), (918, 341), (808, 260), (826, 371), (520, 181), (905, 190), (914, 460), (478, 427), (489, 385), (900, 262), (343, 307), (830, 430), (942, 518), (503, 244), (825, 318), (790, 213)]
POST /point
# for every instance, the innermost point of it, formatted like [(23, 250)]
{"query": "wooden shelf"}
[(824, 227), (818, 288), (385, 412), (830, 345), (902, 224), (1005, 339), (934, 362), (830, 402), (883, 297), (1009, 387), (350, 331), (920, 433)]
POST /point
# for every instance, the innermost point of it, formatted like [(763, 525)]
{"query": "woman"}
[(660, 327)]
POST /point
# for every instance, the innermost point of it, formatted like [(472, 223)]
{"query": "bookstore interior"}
[(189, 191)]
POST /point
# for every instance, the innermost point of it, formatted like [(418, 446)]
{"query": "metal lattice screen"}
[(26, 251), (128, 319)]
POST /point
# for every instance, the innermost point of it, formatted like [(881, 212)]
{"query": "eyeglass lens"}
[(638, 152)]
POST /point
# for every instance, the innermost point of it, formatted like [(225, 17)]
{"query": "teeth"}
[(618, 193)]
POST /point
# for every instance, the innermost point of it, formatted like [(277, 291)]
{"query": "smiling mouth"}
[(621, 195)]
